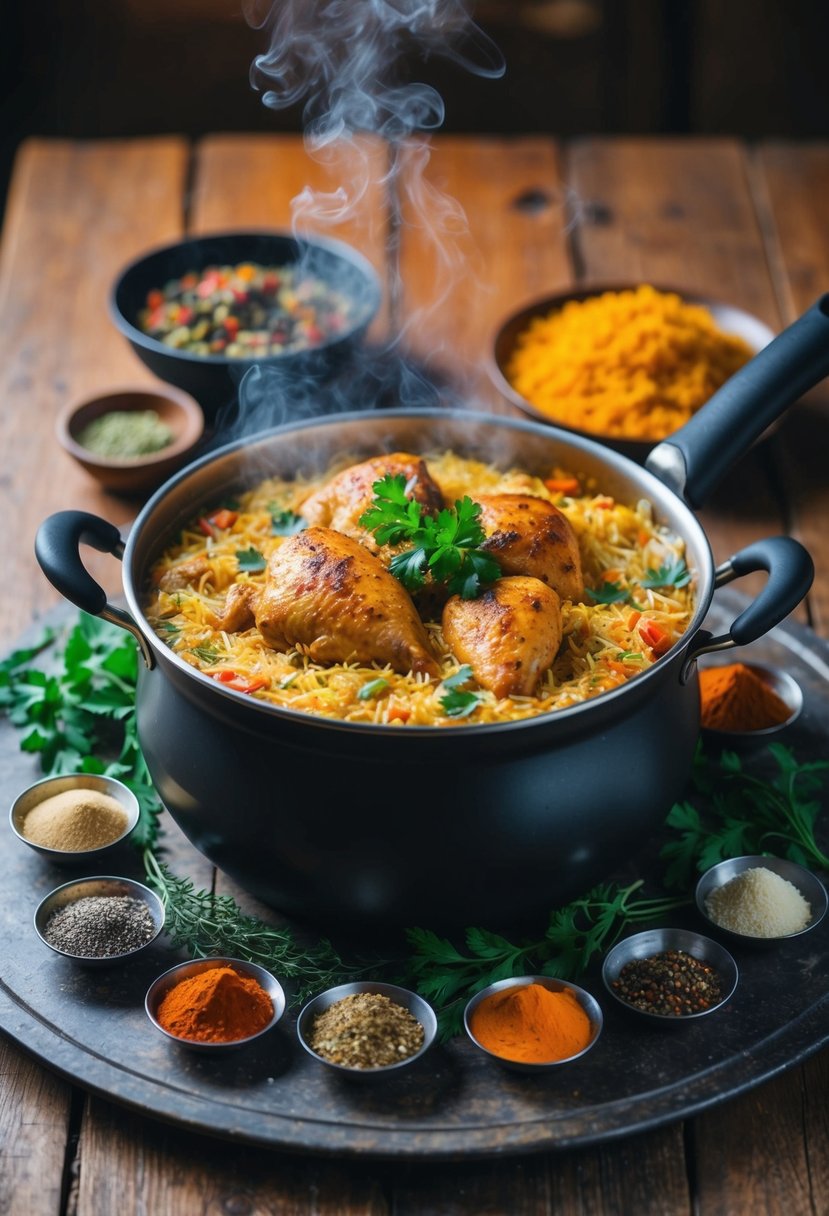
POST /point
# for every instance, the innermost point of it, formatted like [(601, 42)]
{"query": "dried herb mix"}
[(366, 1030)]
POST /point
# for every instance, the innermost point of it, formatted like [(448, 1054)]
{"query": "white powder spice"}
[(759, 903)]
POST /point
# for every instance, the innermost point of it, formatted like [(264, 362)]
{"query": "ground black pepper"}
[(100, 926), (672, 983)]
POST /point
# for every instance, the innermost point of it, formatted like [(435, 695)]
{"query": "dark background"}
[(91, 68)]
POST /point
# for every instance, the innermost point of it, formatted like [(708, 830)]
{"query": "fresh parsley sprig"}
[(574, 935), (250, 560), (286, 523), (455, 703), (744, 814), (673, 573), (445, 546)]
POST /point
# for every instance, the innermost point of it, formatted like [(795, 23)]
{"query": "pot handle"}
[(790, 570), (697, 456), (57, 549)]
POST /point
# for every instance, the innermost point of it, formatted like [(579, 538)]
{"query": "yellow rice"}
[(602, 644), (631, 364)]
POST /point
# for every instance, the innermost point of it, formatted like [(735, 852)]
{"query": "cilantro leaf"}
[(673, 574), (609, 593), (457, 704), (286, 523), (250, 560), (409, 568)]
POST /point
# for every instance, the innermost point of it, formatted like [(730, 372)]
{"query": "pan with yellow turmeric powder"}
[(624, 364), (333, 807)]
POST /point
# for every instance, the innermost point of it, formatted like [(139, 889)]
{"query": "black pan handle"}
[(57, 549), (790, 570), (697, 456)]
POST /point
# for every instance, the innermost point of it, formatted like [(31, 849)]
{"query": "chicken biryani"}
[(426, 591)]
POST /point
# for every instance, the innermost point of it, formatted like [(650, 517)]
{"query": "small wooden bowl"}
[(137, 474)]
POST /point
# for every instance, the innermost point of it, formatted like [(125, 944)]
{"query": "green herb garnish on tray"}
[(445, 546), (746, 815)]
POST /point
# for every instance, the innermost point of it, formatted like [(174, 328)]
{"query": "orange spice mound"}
[(736, 698), (632, 364), (216, 1006), (531, 1024)]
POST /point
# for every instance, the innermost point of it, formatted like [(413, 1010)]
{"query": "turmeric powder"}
[(630, 364), (218, 1005), (737, 698), (531, 1024)]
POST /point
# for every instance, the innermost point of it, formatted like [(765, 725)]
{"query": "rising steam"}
[(346, 63)]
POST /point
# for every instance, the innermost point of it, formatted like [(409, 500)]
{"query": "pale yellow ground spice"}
[(75, 820), (631, 364), (759, 903)]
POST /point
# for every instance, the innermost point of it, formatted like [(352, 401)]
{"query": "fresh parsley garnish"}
[(745, 814), (372, 689), (609, 593), (286, 523), (672, 574), (457, 704), (250, 560), (445, 547), (575, 934)]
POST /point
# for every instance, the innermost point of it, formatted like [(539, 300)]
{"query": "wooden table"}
[(710, 216)]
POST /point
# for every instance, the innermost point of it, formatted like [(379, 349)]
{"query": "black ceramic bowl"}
[(212, 379)]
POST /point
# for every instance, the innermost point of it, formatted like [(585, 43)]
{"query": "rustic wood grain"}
[(34, 1135), (645, 1174), (791, 185), (755, 1154), (464, 271), (130, 1164), (263, 181), (76, 214)]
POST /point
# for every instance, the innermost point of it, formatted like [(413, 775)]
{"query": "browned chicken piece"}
[(528, 535), (184, 574), (239, 612), (341, 501), (509, 635), (326, 592)]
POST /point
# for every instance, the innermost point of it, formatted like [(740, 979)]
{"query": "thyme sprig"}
[(206, 925)]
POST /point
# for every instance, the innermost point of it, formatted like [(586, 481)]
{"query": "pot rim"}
[(655, 490)]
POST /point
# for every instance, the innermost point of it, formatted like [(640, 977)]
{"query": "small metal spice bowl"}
[(106, 885), (657, 941), (588, 1003), (417, 1007), (807, 883), (781, 683), (159, 988), (33, 795)]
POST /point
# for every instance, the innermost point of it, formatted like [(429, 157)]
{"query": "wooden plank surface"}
[(34, 1136), (77, 213), (464, 271), (792, 186)]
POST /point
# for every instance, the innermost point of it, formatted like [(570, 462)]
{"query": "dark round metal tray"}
[(90, 1026)]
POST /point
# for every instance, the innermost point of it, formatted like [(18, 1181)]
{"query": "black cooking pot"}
[(485, 824)]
